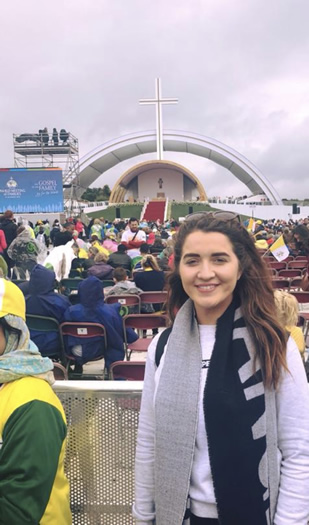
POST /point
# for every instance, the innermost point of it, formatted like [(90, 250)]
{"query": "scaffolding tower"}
[(46, 150)]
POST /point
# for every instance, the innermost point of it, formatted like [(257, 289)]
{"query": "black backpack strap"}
[(161, 344)]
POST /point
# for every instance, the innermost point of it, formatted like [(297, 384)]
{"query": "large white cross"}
[(158, 101)]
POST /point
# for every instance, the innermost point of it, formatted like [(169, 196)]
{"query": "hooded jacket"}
[(33, 486), (24, 249), (42, 300), (92, 308)]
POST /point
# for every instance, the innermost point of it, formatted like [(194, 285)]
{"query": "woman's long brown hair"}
[(254, 289)]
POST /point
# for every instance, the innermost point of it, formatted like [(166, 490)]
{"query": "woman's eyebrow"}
[(191, 255), (215, 254)]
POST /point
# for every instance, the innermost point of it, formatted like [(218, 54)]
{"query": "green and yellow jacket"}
[(33, 486)]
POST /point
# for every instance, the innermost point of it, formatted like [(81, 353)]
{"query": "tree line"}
[(97, 194)]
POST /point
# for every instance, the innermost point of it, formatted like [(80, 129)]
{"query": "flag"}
[(251, 225), (279, 249)]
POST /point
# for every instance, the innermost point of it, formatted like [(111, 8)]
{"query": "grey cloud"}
[(84, 65)]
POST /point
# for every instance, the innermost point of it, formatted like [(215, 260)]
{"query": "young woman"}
[(33, 486), (224, 424)]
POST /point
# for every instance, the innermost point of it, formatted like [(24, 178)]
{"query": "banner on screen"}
[(29, 190)]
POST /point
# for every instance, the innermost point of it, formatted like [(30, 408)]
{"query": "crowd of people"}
[(224, 424), (38, 257), (41, 254), (122, 242)]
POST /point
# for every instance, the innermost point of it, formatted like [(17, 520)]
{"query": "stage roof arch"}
[(109, 154)]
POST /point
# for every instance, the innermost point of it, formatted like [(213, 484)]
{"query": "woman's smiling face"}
[(209, 271)]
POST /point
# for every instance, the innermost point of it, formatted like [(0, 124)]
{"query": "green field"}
[(175, 210)]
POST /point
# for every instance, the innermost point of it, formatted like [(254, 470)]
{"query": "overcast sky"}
[(239, 68)]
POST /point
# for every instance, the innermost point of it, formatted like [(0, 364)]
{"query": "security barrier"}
[(102, 425)]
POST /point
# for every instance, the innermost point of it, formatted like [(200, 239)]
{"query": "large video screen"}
[(29, 190)]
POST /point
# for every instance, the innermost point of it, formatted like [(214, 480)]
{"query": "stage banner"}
[(31, 190)]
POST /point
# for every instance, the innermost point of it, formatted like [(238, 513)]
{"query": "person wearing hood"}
[(25, 252), (28, 226), (33, 485), (42, 300), (92, 308)]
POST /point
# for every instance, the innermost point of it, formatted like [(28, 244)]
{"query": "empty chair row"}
[(288, 284), (142, 323), (127, 370), (271, 258), (295, 272), (301, 265), (139, 302)]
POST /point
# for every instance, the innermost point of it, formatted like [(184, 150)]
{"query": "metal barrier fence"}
[(102, 425)]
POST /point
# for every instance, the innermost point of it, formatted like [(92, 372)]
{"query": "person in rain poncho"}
[(26, 252), (33, 486)]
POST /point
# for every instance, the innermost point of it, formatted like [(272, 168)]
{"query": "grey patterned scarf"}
[(240, 419)]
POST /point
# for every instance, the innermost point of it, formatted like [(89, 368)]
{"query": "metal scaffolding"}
[(46, 150)]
